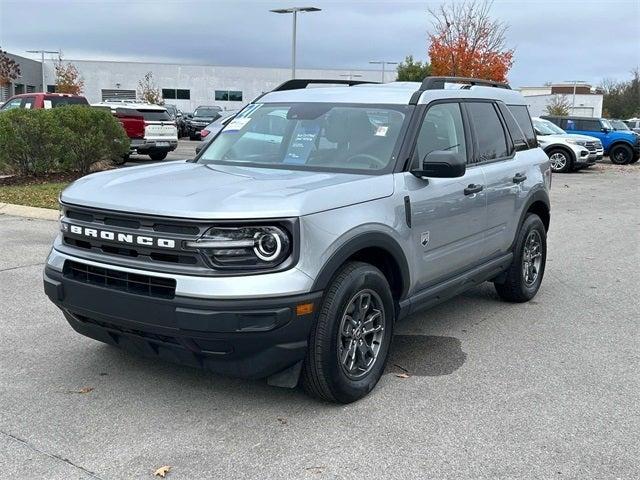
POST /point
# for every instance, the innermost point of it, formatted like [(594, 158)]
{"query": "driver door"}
[(449, 215)]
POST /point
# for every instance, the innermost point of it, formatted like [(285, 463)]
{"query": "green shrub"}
[(30, 141), (91, 135), (72, 138)]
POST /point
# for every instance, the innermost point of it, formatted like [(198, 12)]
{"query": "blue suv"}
[(622, 147)]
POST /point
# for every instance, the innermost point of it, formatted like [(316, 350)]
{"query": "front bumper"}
[(245, 338)]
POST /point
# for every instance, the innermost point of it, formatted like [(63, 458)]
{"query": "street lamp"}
[(384, 63), (42, 52), (295, 11), (575, 82)]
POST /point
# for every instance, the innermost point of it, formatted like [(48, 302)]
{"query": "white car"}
[(150, 128), (567, 152)]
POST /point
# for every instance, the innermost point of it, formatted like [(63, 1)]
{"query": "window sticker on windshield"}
[(47, 104), (303, 141), (236, 124), (382, 131)]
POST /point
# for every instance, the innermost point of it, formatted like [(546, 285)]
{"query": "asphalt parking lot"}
[(547, 389), (186, 149)]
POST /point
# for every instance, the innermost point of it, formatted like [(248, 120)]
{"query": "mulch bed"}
[(40, 179)]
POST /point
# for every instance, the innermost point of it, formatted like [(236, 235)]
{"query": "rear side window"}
[(521, 114), (53, 101), (155, 115), (491, 143), (586, 125), (519, 141), (28, 102)]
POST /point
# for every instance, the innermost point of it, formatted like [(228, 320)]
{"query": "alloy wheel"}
[(532, 258), (558, 161), (361, 333)]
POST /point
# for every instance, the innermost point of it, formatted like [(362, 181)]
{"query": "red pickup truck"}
[(43, 100)]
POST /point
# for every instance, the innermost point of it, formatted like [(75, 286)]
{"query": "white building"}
[(188, 86), (587, 103)]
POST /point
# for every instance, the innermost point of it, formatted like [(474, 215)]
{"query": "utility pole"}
[(384, 63), (575, 83), (42, 52)]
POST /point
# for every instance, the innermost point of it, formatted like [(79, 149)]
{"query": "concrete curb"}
[(28, 212)]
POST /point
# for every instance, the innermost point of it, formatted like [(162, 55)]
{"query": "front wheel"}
[(524, 276), (157, 156), (349, 342), (621, 154), (560, 160)]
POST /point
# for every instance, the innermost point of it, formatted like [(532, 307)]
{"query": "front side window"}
[(490, 139), (442, 129), (11, 104), (313, 136), (28, 102)]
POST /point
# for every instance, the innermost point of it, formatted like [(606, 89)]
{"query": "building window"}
[(176, 94), (51, 89), (228, 96), (183, 94), (18, 89), (31, 89)]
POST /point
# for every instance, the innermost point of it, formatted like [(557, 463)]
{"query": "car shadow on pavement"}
[(425, 355)]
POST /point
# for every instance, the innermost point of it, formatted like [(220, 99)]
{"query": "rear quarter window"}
[(521, 114), (155, 115), (53, 101)]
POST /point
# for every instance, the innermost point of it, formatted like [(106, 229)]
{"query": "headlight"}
[(245, 247), (577, 142)]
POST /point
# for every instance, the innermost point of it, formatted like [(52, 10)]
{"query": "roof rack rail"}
[(437, 83), (298, 83)]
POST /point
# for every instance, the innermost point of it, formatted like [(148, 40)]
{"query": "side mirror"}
[(442, 164), (605, 129)]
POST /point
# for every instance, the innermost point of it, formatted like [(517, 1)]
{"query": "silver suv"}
[(316, 219)]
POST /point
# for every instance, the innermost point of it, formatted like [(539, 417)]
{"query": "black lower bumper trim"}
[(243, 338)]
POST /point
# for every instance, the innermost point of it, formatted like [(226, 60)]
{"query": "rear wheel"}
[(560, 160), (350, 339), (524, 276), (157, 156), (621, 154)]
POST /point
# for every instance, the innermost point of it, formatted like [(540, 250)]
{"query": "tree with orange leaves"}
[(466, 42)]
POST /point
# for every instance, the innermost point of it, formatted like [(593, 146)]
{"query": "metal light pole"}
[(295, 11), (42, 52), (575, 83), (384, 63)]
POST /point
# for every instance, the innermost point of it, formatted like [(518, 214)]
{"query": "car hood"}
[(190, 190), (567, 136)]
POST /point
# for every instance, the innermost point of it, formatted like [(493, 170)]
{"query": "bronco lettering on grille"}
[(119, 237)]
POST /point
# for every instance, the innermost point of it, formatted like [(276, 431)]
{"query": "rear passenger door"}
[(495, 152), (449, 215)]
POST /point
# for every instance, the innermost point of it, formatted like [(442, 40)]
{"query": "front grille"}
[(123, 281), (593, 146), (174, 260)]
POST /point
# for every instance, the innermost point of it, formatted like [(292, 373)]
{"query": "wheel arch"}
[(378, 249), (539, 204), (565, 149)]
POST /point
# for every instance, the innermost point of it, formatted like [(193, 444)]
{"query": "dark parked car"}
[(178, 117), (202, 116)]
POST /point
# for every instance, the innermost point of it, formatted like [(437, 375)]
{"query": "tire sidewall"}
[(615, 149), (344, 388), (532, 222)]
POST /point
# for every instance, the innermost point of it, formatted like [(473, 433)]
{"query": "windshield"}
[(206, 112), (619, 125), (310, 136), (545, 127)]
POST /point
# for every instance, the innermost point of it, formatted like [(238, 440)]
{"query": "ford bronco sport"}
[(316, 219)]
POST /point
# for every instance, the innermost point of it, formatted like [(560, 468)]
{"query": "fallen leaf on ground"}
[(316, 470), (402, 375), (162, 471), (83, 390), (401, 367), (282, 420)]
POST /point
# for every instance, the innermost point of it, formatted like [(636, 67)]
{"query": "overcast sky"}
[(553, 40)]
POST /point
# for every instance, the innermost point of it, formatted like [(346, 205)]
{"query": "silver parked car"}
[(307, 228), (567, 152)]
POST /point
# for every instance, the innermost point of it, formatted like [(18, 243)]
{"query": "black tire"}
[(635, 158), (560, 160), (323, 373), (513, 287), (121, 160), (157, 156), (621, 154), (193, 136)]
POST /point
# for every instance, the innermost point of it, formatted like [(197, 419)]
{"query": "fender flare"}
[(360, 242), (539, 195)]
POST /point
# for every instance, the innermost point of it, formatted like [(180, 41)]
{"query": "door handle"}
[(519, 178), (473, 188)]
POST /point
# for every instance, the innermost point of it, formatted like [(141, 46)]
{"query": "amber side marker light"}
[(304, 309)]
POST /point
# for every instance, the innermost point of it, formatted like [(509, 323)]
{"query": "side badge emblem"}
[(424, 239)]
